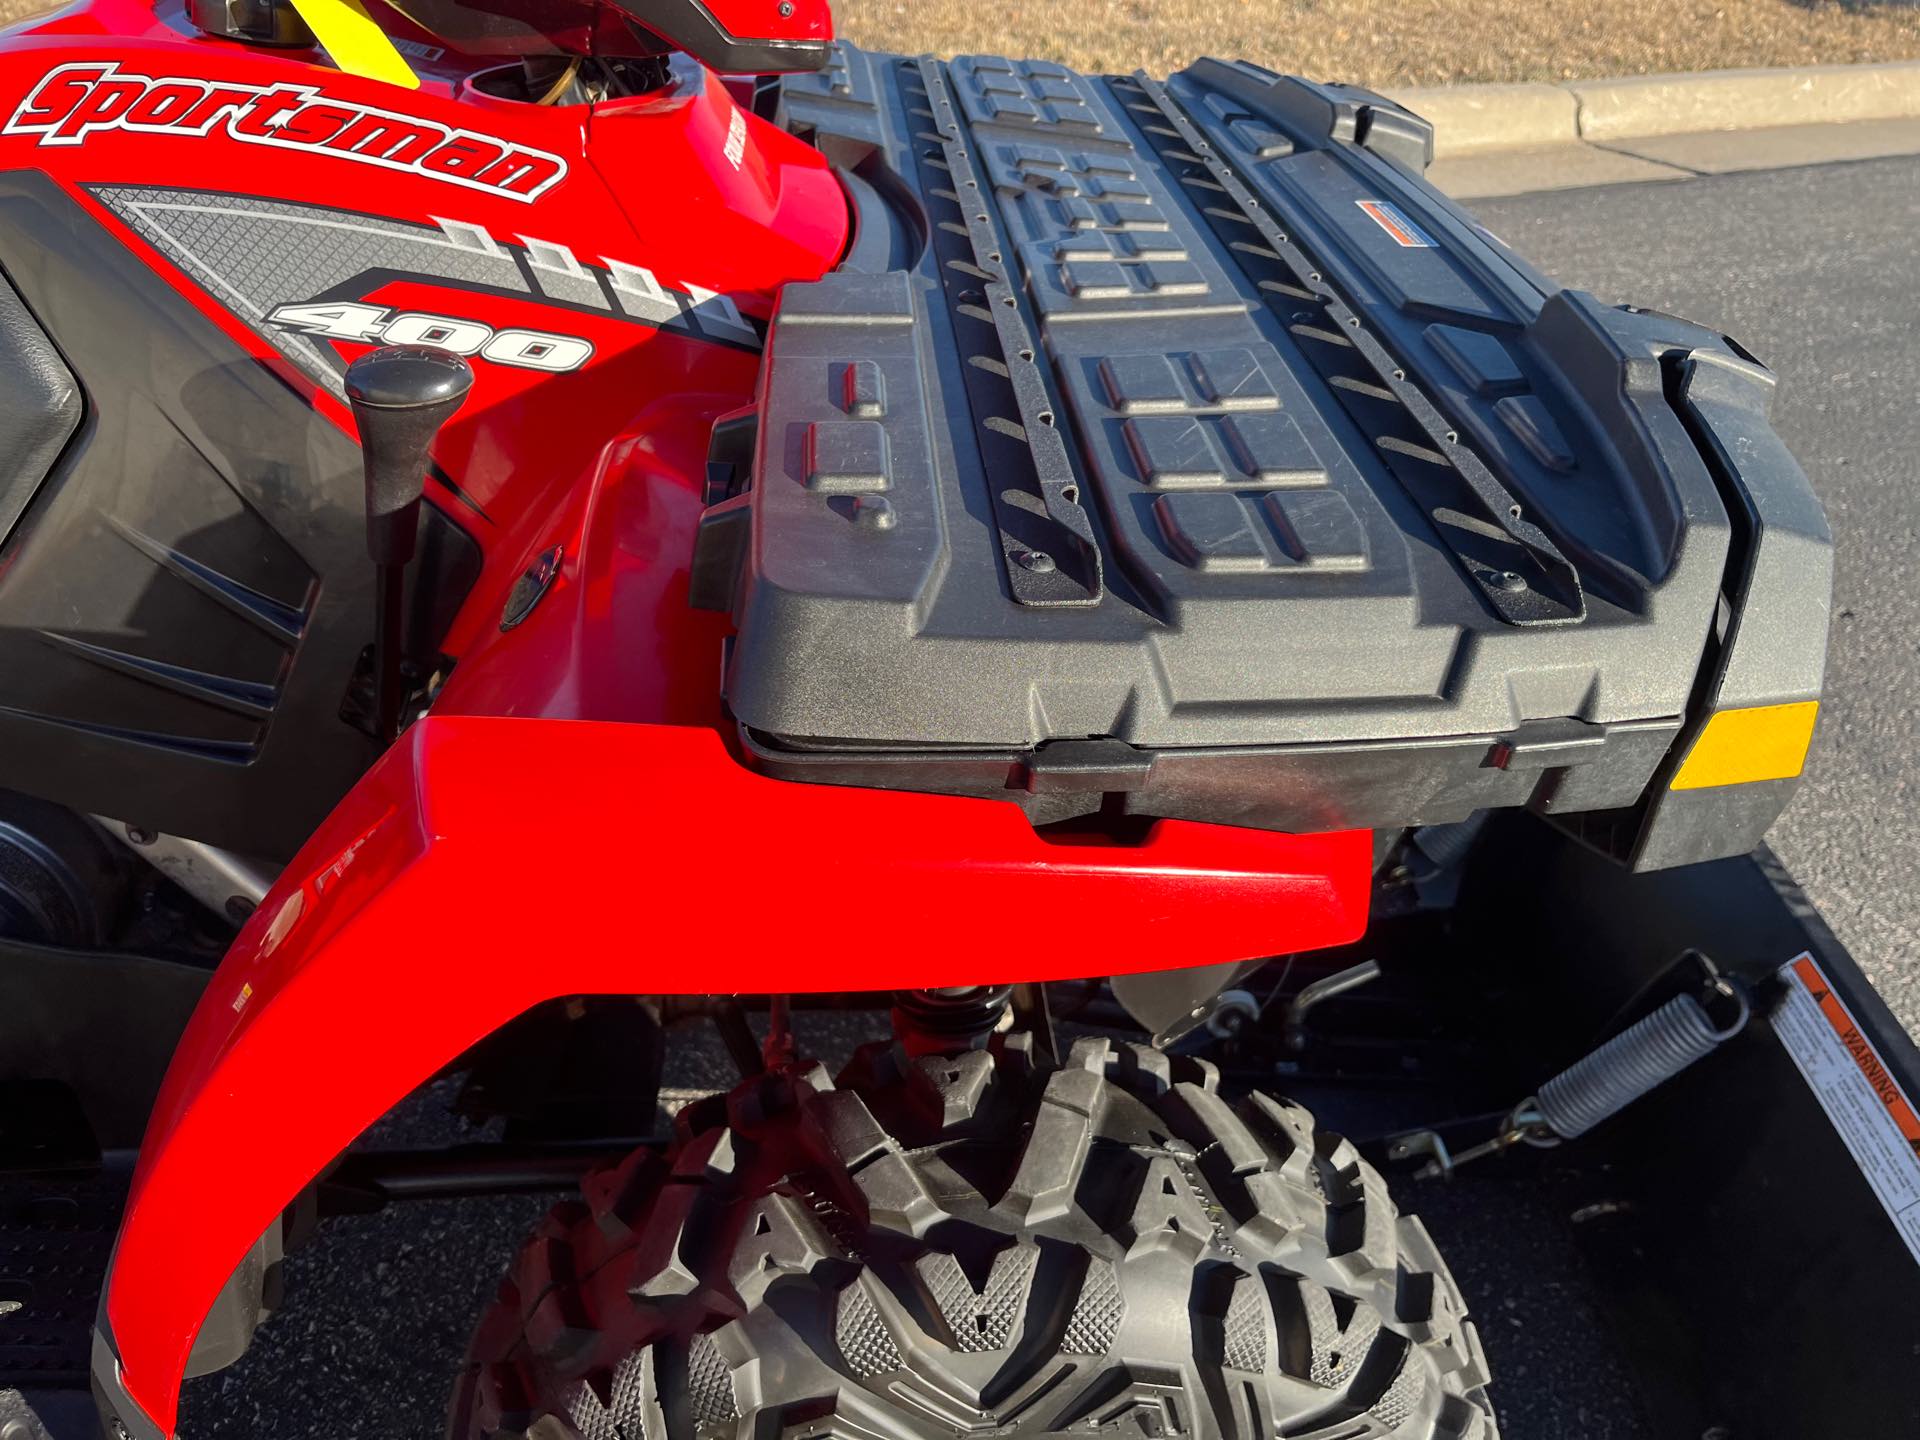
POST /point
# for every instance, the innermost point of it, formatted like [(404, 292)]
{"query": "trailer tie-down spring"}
[(1600, 1085)]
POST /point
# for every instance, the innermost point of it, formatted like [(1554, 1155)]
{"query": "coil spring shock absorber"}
[(962, 1017)]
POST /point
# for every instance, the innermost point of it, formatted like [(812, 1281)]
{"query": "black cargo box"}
[(1176, 450)]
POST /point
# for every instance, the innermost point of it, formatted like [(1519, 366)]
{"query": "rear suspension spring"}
[(1638, 1060), (958, 1018)]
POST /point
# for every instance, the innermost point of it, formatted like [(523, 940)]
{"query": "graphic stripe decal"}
[(256, 255)]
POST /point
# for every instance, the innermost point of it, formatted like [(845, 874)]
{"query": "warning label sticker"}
[(1397, 223), (1873, 1114)]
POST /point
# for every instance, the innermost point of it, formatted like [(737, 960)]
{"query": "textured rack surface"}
[(1186, 418)]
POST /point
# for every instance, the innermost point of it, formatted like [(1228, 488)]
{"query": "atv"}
[(529, 530)]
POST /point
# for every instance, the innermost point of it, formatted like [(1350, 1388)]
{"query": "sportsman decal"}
[(77, 100)]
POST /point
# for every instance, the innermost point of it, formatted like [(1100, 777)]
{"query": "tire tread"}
[(859, 1246)]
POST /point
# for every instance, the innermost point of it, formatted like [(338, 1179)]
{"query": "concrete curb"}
[(1478, 119)]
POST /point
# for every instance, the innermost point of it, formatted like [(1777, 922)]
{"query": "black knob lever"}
[(401, 396)]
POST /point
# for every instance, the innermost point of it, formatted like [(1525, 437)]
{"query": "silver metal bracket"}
[(230, 885)]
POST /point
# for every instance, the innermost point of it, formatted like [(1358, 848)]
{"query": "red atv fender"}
[(487, 865)]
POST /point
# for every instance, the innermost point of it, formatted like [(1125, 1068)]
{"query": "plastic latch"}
[(1398, 136), (1548, 745), (720, 553), (1103, 765)]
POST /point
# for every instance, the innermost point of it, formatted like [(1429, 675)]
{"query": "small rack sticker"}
[(1397, 223), (1874, 1116)]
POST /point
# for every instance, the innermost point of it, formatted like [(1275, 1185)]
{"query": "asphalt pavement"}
[(1817, 271)]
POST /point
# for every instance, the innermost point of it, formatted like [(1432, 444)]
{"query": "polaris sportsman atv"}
[(531, 527)]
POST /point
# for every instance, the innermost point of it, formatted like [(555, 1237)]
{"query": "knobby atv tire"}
[(974, 1244)]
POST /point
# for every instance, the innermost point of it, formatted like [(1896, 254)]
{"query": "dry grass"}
[(1400, 42), (1386, 42)]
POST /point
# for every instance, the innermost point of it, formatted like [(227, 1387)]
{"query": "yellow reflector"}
[(1738, 747), (358, 46)]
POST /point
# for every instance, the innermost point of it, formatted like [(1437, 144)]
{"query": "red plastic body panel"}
[(750, 208), (617, 859), (489, 864), (569, 820), (773, 19)]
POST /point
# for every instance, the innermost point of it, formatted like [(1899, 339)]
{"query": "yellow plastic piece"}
[(358, 46), (1739, 747)]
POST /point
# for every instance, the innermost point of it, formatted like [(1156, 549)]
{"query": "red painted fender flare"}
[(487, 864)]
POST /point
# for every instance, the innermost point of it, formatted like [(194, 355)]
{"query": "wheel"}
[(61, 882), (973, 1243)]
